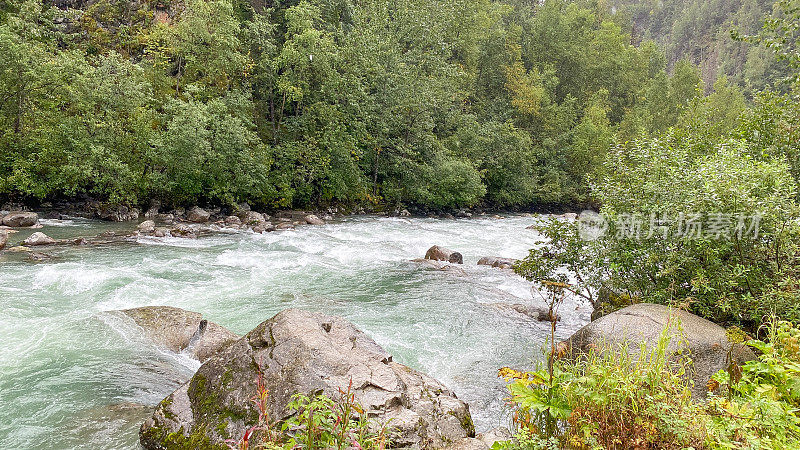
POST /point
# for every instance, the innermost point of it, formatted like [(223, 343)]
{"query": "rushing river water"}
[(73, 375)]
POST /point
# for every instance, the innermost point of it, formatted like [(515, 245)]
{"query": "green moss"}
[(227, 377), (179, 440), (222, 429), (466, 423), (209, 410)]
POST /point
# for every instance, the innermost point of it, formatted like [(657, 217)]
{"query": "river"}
[(72, 375)]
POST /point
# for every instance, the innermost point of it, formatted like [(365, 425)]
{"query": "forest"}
[(673, 124), (440, 104)]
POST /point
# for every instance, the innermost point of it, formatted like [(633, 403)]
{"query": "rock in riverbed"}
[(443, 254), (540, 313), (252, 218), (3, 239), (312, 219), (304, 352), (707, 343), (494, 261), (198, 215), (39, 238), (147, 227), (18, 219), (179, 330)]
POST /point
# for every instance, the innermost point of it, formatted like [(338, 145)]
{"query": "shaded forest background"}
[(441, 104)]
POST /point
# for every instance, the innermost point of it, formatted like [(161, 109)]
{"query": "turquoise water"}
[(74, 375)]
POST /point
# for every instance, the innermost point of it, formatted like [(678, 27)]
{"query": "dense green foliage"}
[(430, 102), (651, 252), (703, 216), (610, 400)]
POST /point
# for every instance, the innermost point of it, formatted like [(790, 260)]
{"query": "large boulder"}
[(437, 253), (198, 215), (179, 330), (704, 342), (39, 238), (304, 352), (495, 261), (19, 219)]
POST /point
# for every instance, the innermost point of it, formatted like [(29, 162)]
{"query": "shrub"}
[(608, 400), (650, 193)]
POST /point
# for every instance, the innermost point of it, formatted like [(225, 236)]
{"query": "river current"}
[(74, 375)]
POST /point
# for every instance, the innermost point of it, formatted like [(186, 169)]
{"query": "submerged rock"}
[(304, 352), (539, 313), (442, 254), (19, 219), (39, 238), (179, 330), (37, 256), (494, 261), (704, 342)]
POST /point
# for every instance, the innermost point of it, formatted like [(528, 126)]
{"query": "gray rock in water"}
[(707, 343), (494, 261), (39, 238), (18, 219), (305, 352), (198, 215), (179, 330), (442, 254), (182, 230), (311, 219), (36, 256), (147, 227), (252, 218), (233, 222), (539, 313)]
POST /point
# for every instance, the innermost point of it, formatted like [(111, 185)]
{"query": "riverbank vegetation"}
[(434, 103), (703, 217), (609, 400)]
